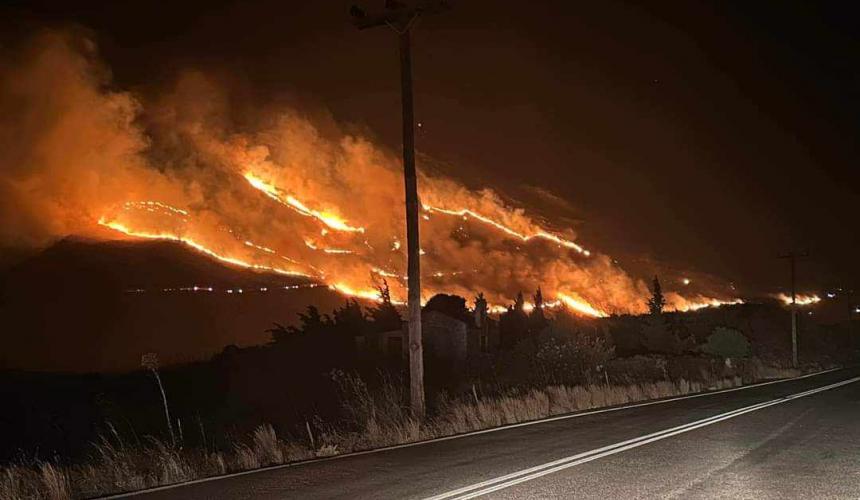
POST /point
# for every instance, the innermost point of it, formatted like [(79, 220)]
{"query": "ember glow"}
[(332, 208)]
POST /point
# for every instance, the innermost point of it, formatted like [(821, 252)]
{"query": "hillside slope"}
[(83, 305)]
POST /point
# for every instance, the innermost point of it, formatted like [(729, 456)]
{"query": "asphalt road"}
[(781, 440)]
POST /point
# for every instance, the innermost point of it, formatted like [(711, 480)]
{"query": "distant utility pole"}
[(792, 259), (852, 311), (401, 18)]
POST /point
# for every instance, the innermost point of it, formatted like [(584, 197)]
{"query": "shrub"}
[(570, 360), (636, 369), (657, 338), (727, 343), (698, 368)]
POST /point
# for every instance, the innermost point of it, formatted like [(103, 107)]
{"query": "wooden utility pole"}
[(792, 259), (401, 18)]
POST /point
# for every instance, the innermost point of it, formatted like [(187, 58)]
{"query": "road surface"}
[(792, 439)]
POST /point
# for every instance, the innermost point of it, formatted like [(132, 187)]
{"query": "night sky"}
[(706, 136)]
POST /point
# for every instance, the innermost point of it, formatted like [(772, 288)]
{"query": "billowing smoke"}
[(290, 193), (69, 148)]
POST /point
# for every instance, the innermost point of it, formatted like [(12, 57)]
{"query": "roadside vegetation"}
[(372, 420), (308, 395)]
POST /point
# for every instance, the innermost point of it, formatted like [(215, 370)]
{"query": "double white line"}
[(508, 480)]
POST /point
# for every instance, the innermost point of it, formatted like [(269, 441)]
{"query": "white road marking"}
[(463, 435), (508, 480)]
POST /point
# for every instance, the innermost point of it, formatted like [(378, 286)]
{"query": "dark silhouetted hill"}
[(84, 305)]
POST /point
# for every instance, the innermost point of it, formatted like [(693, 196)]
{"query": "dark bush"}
[(727, 343), (636, 369)]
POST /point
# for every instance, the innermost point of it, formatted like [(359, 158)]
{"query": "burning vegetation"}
[(288, 194)]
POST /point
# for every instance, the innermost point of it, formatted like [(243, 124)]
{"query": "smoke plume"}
[(289, 193)]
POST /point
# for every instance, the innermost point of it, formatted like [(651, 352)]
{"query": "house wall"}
[(444, 337)]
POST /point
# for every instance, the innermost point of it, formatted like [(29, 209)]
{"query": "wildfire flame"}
[(581, 306), (367, 294), (330, 220), (116, 226), (464, 212), (695, 306), (333, 201), (800, 299)]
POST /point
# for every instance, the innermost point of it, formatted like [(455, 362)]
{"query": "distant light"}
[(857, 309), (420, 124), (830, 295), (686, 281)]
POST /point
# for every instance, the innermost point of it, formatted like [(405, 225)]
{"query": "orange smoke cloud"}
[(287, 195), (69, 150)]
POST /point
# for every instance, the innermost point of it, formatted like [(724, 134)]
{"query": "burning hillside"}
[(288, 195)]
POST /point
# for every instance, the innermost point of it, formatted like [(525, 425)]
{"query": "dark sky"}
[(706, 135)]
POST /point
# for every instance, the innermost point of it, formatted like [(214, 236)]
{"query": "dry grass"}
[(55, 482), (373, 420), (42, 480), (466, 415)]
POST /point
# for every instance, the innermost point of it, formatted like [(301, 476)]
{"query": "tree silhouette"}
[(519, 303), (537, 317), (310, 323), (657, 302), (350, 318), (481, 309), (384, 317), (450, 305), (384, 292), (513, 323)]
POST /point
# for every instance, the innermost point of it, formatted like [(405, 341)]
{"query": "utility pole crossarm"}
[(396, 15)]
